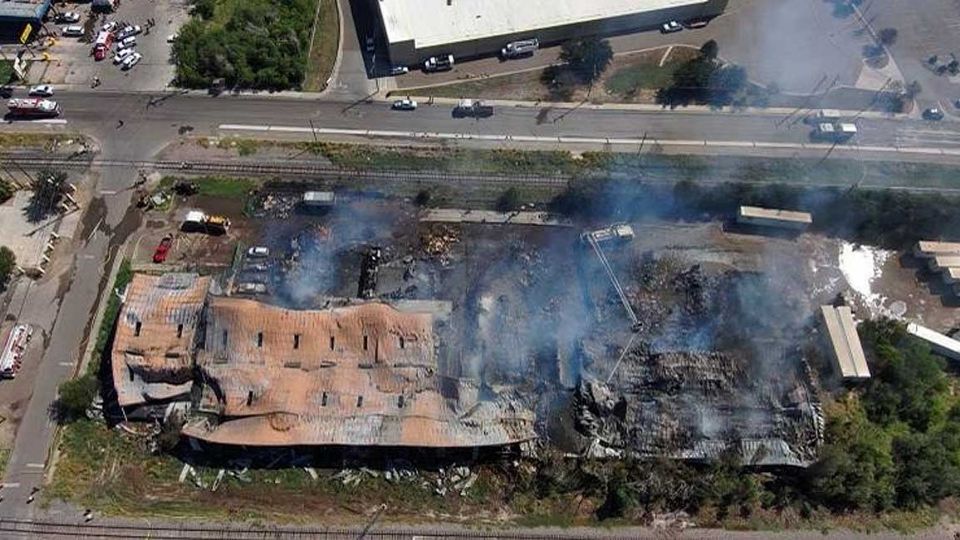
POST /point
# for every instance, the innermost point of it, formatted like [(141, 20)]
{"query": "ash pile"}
[(717, 366)]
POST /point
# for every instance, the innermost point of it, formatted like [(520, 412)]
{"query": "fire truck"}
[(33, 108), (101, 47)]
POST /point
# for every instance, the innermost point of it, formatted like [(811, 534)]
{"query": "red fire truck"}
[(101, 47)]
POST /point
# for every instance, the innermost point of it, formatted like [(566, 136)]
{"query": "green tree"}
[(710, 50), (8, 262), (48, 189), (855, 469), (927, 471), (509, 200), (887, 36), (588, 58), (6, 191), (74, 397)]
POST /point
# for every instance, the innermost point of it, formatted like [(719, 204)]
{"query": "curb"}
[(336, 64)]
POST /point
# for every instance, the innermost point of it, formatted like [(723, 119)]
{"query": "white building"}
[(418, 29)]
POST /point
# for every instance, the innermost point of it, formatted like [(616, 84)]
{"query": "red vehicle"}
[(162, 250), (33, 108), (101, 47)]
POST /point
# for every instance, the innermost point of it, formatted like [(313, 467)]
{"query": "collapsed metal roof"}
[(363, 375), (152, 349)]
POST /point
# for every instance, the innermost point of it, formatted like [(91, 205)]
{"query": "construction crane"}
[(623, 233)]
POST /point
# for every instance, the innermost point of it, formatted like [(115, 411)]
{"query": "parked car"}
[(127, 43), (160, 254), (444, 62), (671, 27), (68, 17), (121, 55), (399, 70), (129, 31), (405, 104), (258, 252), (110, 26), (131, 61), (697, 23), (933, 113), (74, 30), (43, 90)]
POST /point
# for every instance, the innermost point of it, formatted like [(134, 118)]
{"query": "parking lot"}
[(923, 32), (795, 44), (73, 61)]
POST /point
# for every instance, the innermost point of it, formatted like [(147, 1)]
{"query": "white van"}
[(516, 49), (74, 30)]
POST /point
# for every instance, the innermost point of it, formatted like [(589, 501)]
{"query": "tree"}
[(74, 396), (887, 36), (6, 191), (509, 200), (855, 469), (710, 50), (48, 188), (8, 262), (726, 83), (587, 57), (912, 90)]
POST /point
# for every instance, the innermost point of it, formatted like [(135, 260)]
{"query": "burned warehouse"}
[(441, 330)]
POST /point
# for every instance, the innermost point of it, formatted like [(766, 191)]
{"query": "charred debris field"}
[(582, 364)]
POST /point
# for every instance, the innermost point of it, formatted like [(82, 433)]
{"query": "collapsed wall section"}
[(152, 355)]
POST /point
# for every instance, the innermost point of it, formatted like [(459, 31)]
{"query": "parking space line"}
[(11, 485)]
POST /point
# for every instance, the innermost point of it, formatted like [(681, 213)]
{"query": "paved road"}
[(149, 122), (34, 436)]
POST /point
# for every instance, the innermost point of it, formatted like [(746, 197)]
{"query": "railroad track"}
[(281, 169), (16, 529)]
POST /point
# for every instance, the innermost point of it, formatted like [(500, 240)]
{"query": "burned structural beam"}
[(369, 268)]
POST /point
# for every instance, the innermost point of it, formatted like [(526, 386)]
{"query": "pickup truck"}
[(472, 108)]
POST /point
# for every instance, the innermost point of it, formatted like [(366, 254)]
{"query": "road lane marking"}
[(36, 465), (58, 121), (66, 364), (10, 485), (108, 192)]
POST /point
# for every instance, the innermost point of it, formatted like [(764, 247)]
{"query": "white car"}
[(43, 90), (258, 252), (129, 31), (405, 104), (131, 60), (171, 38), (68, 17), (399, 70), (127, 43), (671, 27), (122, 54), (74, 30), (110, 26)]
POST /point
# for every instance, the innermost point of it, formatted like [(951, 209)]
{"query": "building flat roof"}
[(431, 23), (773, 213), (24, 9), (942, 344), (938, 248), (947, 261), (846, 342)]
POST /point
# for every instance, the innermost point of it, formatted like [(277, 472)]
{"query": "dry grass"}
[(324, 48)]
